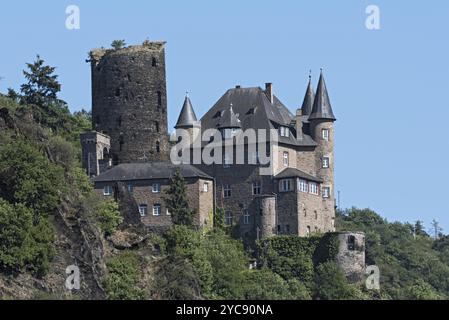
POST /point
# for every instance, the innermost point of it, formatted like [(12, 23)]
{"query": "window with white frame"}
[(286, 185), (143, 210), (156, 188), (157, 210), (325, 134), (227, 191), (246, 217), (303, 185), (313, 188), (130, 187), (205, 187), (107, 190), (257, 188), (284, 131), (326, 162), (285, 156), (326, 191), (228, 218)]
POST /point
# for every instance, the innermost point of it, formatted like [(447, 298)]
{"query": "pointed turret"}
[(307, 104), (187, 117), (322, 109)]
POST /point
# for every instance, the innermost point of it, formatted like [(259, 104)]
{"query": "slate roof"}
[(148, 171), (187, 117), (307, 104), (322, 108), (295, 173), (254, 110)]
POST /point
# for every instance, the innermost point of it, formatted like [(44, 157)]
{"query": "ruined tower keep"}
[(129, 101)]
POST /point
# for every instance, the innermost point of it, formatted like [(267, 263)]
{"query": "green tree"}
[(41, 91), (24, 244), (123, 278), (219, 219), (118, 44), (27, 177), (176, 201), (330, 283), (108, 216)]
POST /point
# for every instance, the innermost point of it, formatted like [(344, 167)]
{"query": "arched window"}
[(158, 147)]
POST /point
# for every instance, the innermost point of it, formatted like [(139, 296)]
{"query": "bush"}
[(331, 284), (24, 245), (122, 280), (108, 216)]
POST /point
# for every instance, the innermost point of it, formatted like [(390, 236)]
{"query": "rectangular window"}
[(227, 191), (143, 210), (286, 185), (326, 162), (205, 187), (257, 188), (326, 191), (107, 191), (284, 131), (130, 188), (246, 217), (157, 210), (156, 188), (303, 185), (313, 188), (286, 159), (325, 134), (228, 218)]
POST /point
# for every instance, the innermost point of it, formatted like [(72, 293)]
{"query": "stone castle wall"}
[(129, 101)]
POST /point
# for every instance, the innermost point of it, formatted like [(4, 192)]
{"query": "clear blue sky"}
[(389, 88)]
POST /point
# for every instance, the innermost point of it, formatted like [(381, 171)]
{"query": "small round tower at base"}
[(267, 216), (351, 255)]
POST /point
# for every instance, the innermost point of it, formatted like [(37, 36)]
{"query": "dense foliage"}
[(412, 264), (177, 202)]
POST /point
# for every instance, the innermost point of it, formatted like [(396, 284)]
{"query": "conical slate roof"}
[(322, 109), (187, 118), (307, 104), (229, 120)]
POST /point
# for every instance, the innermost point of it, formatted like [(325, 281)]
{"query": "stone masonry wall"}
[(129, 101)]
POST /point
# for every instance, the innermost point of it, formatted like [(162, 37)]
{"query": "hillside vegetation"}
[(50, 218)]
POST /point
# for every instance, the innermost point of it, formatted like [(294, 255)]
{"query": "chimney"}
[(269, 91), (298, 125)]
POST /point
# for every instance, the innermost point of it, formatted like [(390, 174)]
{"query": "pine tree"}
[(41, 91), (176, 201), (118, 44)]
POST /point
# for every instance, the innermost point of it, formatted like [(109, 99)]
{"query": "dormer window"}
[(284, 131), (218, 114)]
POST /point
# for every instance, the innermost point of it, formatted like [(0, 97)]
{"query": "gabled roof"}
[(322, 108), (148, 171), (255, 111), (187, 117), (307, 104), (295, 173)]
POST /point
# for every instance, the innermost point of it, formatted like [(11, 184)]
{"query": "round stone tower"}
[(351, 255), (267, 216), (129, 101), (322, 130)]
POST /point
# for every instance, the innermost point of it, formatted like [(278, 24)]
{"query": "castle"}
[(128, 153)]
